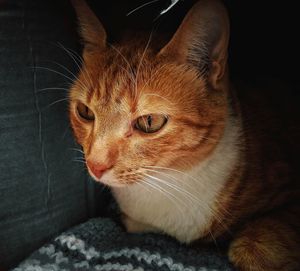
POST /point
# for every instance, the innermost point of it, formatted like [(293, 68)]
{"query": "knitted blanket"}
[(100, 244)]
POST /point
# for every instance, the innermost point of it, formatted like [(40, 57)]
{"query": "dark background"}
[(264, 34)]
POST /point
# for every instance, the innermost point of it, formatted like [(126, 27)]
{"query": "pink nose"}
[(97, 169)]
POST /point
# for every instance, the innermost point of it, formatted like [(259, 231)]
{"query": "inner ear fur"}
[(202, 40), (91, 29)]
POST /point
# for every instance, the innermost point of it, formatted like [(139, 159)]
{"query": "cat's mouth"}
[(107, 178)]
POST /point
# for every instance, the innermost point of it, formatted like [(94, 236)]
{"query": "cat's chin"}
[(108, 179)]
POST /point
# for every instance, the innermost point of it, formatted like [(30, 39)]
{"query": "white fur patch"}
[(184, 215)]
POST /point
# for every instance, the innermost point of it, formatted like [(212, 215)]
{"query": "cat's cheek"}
[(80, 132)]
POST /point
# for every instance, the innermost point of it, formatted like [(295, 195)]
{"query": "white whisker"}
[(55, 102), (78, 61), (141, 6), (74, 55), (166, 193), (157, 95), (142, 183), (75, 149), (44, 89), (79, 161), (126, 61), (51, 70), (140, 63), (176, 180), (151, 78), (172, 169), (75, 77), (59, 73), (192, 197)]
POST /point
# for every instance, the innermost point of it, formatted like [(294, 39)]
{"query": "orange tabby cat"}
[(162, 128)]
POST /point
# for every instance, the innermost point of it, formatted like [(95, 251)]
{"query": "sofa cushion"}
[(100, 244), (43, 188)]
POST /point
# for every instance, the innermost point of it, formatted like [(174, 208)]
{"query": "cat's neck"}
[(192, 194)]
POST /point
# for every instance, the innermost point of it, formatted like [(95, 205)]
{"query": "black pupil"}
[(149, 121), (86, 111)]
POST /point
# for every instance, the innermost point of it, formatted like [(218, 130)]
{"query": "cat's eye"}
[(85, 112), (151, 123)]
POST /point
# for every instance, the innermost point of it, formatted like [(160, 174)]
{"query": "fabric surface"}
[(43, 190), (100, 244)]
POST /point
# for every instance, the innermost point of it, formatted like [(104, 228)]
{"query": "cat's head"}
[(135, 109)]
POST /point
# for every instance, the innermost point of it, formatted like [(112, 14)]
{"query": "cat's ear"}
[(202, 39), (91, 30)]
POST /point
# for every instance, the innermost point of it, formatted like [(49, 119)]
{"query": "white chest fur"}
[(184, 206)]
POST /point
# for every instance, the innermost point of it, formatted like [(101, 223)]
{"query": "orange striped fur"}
[(214, 170)]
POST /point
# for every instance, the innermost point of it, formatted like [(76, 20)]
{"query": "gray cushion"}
[(42, 189), (100, 244)]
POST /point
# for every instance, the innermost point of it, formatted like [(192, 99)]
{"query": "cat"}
[(160, 123)]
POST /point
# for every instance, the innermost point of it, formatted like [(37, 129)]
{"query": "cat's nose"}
[(97, 169)]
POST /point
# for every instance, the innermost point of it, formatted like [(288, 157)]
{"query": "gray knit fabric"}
[(100, 244)]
